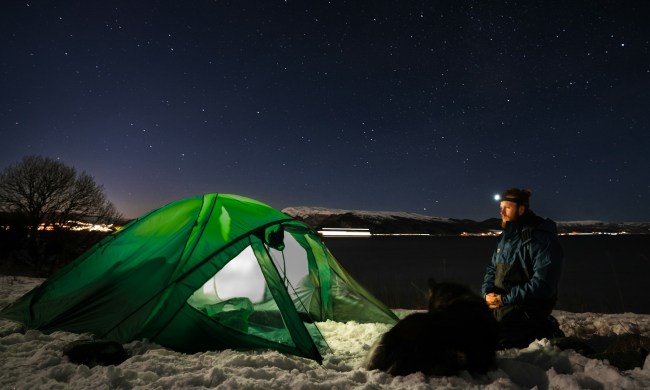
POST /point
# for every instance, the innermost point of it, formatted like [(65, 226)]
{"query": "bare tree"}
[(47, 192)]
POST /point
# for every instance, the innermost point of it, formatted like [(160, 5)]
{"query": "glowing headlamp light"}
[(514, 199)]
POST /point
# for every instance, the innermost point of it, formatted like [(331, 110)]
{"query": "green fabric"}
[(161, 277)]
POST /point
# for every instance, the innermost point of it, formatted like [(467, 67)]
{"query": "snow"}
[(30, 359)]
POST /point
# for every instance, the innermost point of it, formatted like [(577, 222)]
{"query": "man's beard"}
[(504, 222)]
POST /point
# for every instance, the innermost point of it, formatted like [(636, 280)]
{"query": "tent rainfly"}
[(209, 272)]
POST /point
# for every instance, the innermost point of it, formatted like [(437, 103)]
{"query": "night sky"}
[(420, 106)]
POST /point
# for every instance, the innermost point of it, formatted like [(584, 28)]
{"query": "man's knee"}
[(519, 327)]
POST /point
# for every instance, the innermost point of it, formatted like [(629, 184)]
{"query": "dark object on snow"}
[(574, 343), (94, 352), (625, 351), (457, 333), (623, 360)]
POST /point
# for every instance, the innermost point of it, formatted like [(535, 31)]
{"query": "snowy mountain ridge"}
[(386, 222), (399, 222), (300, 212)]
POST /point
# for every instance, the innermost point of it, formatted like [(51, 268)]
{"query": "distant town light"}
[(77, 226)]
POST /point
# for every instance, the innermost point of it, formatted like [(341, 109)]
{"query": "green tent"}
[(208, 272)]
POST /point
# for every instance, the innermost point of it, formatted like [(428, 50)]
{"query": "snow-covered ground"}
[(33, 360)]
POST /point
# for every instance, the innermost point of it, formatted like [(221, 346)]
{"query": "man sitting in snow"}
[(521, 281)]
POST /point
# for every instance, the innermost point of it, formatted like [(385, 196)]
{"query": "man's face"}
[(510, 212)]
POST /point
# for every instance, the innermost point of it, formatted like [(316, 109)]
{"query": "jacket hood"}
[(538, 223), (547, 225), (535, 222)]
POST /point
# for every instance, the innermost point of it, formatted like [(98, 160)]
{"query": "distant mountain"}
[(395, 222), (388, 222), (603, 227)]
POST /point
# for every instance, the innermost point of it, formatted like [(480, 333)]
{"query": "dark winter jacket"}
[(527, 264)]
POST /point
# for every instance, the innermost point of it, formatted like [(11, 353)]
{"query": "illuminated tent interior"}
[(208, 272)]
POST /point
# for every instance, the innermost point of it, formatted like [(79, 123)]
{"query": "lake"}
[(605, 274)]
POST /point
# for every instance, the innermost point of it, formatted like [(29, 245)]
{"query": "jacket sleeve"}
[(488, 279), (546, 258)]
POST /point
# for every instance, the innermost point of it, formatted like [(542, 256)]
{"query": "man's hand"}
[(493, 300)]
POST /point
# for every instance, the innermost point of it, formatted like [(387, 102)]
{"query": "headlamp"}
[(510, 198)]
